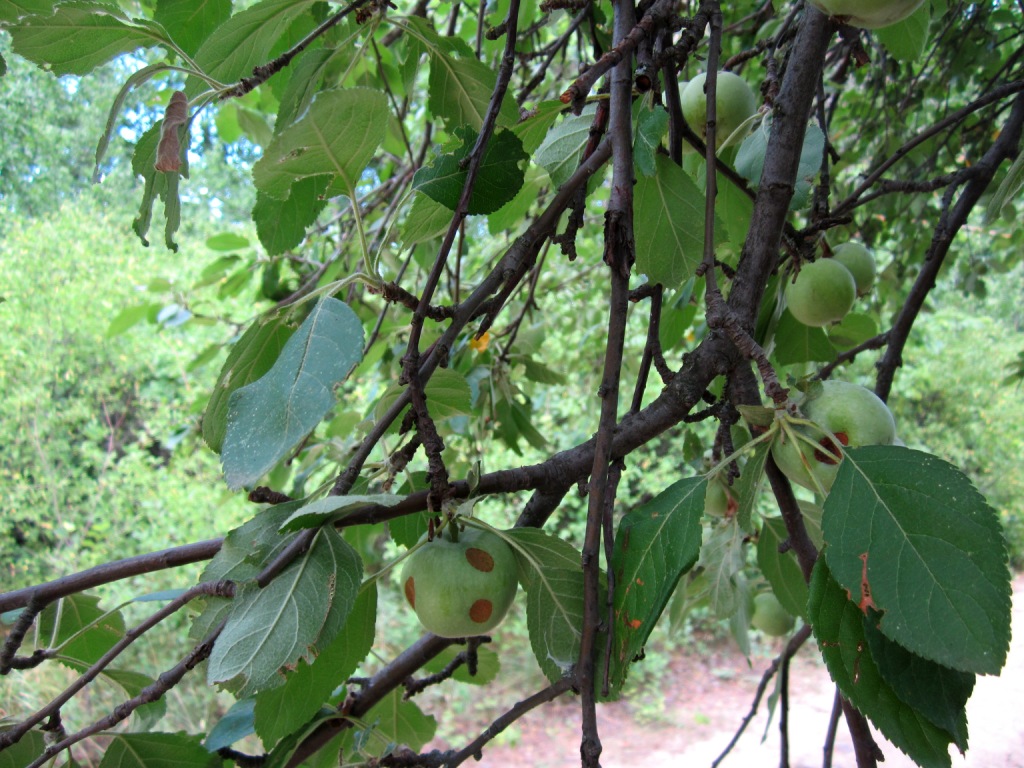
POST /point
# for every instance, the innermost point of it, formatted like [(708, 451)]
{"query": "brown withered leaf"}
[(168, 152)]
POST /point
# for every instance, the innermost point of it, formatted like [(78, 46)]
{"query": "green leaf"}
[(498, 180), (426, 220), (781, 568), (909, 535), (668, 224), (80, 36), (854, 329), (331, 508), (24, 751), (554, 619), (534, 127), (285, 709), (131, 316), (655, 544), (252, 356), (190, 22), (447, 394), (538, 551), (907, 40), (723, 558), (460, 87), (135, 80), (157, 750), (245, 552), (559, 154), (132, 684), (12, 10), (748, 487), (799, 343), (937, 692), (237, 723), (227, 241), (281, 224), (336, 137), (268, 418), (272, 628), (651, 125), (1008, 189), (246, 39), (750, 159), (550, 571), (78, 629), (838, 626), (396, 721)]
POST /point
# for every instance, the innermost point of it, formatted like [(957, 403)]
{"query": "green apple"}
[(770, 617), (854, 414), (869, 14), (461, 588), (734, 103), (822, 293), (861, 263), (719, 500)]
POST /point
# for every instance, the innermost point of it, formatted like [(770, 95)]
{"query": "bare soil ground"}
[(709, 696)]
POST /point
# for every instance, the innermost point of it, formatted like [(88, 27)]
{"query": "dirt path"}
[(709, 696)]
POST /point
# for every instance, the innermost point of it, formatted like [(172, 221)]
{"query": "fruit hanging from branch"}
[(460, 583), (822, 293), (859, 260), (869, 14), (844, 415), (734, 104), (770, 617)]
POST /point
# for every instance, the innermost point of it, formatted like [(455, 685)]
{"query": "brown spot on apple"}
[(410, 591), (481, 611), (480, 559), (831, 448)]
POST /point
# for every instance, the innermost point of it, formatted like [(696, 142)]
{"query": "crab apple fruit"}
[(854, 414), (719, 501), (461, 588), (822, 293), (869, 14), (770, 617), (861, 263), (734, 103)]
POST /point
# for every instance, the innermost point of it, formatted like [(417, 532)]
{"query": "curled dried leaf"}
[(168, 152)]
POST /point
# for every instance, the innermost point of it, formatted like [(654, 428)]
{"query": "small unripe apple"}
[(719, 501), (461, 588), (734, 103), (854, 414), (869, 14), (861, 263), (822, 293), (770, 617)]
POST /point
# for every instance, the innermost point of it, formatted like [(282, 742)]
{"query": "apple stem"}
[(453, 530)]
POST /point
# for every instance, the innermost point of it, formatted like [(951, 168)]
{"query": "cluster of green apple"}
[(460, 583), (823, 291)]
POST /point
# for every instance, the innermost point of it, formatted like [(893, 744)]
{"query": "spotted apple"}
[(859, 260), (460, 587), (734, 103), (869, 14), (855, 415), (822, 293)]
